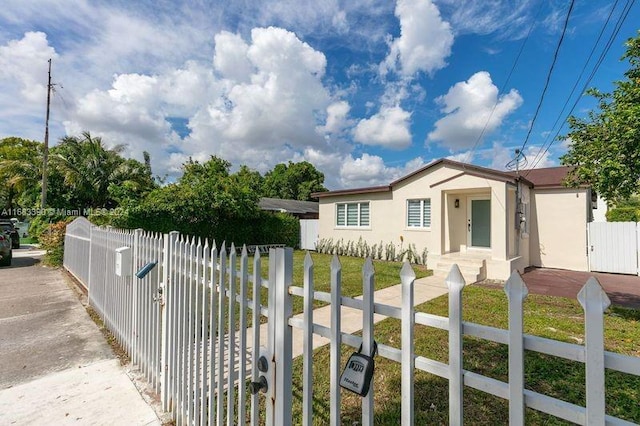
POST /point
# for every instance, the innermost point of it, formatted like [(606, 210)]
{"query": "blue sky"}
[(366, 90)]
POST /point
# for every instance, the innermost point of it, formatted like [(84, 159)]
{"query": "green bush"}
[(277, 228), (40, 224), (623, 214), (259, 228), (52, 240)]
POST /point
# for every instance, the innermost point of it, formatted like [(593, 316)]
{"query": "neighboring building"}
[(299, 209), (488, 221)]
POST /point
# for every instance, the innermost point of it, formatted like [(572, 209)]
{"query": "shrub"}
[(377, 251), (276, 228), (52, 240), (623, 214)]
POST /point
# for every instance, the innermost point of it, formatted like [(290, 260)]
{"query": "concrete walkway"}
[(425, 289), (55, 365)]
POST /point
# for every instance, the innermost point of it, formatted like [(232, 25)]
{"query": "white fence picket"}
[(307, 373), (594, 301), (455, 282), (407, 278), (368, 287), (336, 340), (255, 322), (516, 291)]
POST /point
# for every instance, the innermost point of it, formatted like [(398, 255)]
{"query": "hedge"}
[(623, 214)]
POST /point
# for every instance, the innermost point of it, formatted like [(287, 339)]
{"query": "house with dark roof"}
[(489, 222)]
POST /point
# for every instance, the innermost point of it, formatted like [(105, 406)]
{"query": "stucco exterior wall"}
[(448, 230), (558, 232)]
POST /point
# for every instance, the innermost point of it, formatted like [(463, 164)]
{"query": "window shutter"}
[(364, 214), (340, 218), (426, 213), (413, 213), (352, 214)]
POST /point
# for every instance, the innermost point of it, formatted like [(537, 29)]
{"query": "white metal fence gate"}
[(614, 247), (194, 344), (186, 324)]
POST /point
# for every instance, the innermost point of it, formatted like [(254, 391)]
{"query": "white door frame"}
[(470, 225)]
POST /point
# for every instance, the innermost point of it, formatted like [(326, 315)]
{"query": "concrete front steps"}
[(472, 266)]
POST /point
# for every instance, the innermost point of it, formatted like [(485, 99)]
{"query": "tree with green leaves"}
[(605, 147), (20, 172), (206, 201), (293, 181), (95, 176)]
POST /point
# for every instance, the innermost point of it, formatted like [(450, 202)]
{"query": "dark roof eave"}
[(355, 191)]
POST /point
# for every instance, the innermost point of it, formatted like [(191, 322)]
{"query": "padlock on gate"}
[(358, 372)]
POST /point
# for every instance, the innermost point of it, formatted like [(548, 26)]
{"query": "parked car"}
[(14, 234), (6, 253)]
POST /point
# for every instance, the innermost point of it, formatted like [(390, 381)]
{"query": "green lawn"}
[(28, 240), (551, 317), (386, 274)]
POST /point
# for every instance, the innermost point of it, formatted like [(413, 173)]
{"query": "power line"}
[(546, 85), (504, 85), (621, 19), (575, 85)]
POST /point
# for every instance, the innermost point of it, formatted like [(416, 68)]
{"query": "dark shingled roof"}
[(547, 177), (288, 206)]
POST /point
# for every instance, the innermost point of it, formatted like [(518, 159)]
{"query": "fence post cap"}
[(455, 280), (515, 287), (592, 292)]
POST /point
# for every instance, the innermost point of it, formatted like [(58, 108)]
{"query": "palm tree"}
[(89, 170)]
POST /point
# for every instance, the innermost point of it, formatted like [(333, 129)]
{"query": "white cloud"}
[(507, 18), (370, 170), (388, 128), (337, 117), (471, 106), (24, 61), (425, 39), (230, 57)]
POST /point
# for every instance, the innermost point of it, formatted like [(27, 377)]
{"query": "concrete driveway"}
[(56, 367)]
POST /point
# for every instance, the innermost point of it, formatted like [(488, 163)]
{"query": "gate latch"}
[(358, 372), (262, 384)]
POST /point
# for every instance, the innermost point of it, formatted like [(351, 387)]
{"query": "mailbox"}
[(123, 261)]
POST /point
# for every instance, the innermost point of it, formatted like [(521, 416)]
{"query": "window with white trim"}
[(352, 214), (419, 213)]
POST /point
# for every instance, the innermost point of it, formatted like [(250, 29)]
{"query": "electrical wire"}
[(504, 86), (575, 85), (621, 19), (546, 85)]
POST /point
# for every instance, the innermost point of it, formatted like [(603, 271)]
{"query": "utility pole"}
[(45, 156)]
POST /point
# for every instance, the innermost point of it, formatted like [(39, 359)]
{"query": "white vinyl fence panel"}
[(185, 325), (309, 233), (614, 247)]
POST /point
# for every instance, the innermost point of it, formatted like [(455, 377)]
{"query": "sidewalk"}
[(56, 366), (425, 289)]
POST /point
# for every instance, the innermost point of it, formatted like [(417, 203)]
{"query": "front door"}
[(479, 222)]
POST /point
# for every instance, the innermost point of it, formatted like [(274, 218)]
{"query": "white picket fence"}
[(192, 341)]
